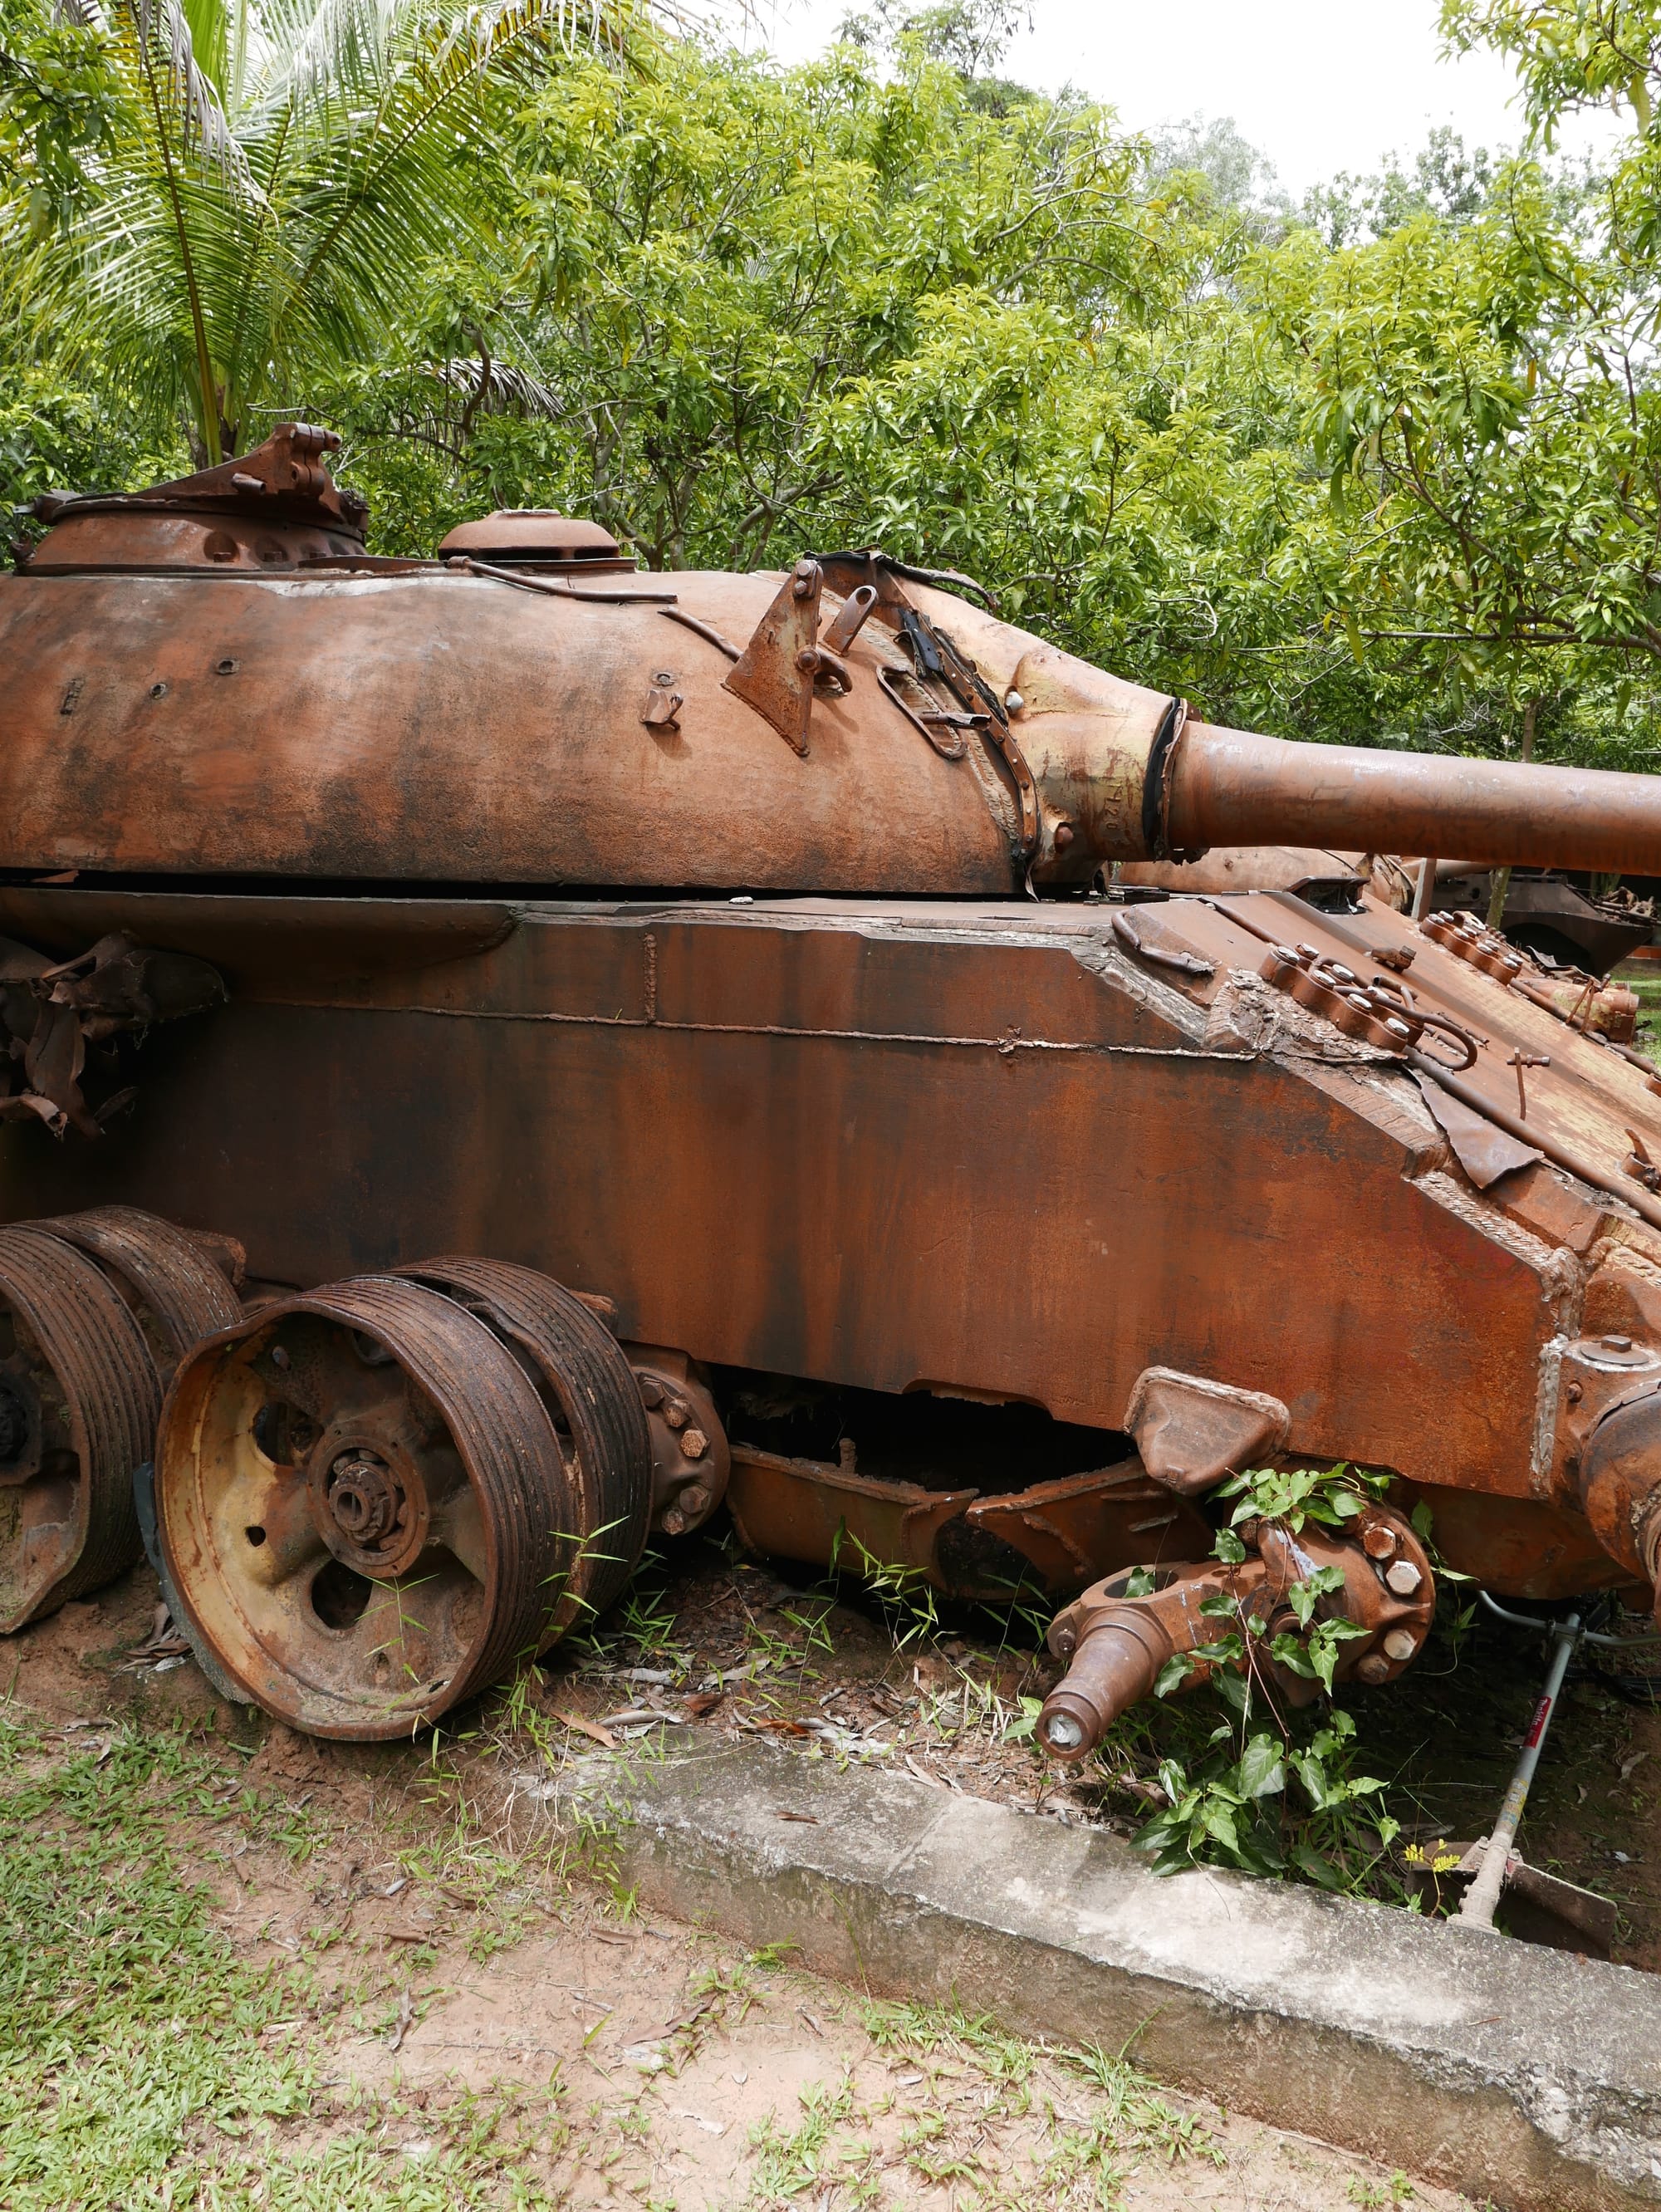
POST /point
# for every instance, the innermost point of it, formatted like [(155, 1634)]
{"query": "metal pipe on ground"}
[(1476, 1907)]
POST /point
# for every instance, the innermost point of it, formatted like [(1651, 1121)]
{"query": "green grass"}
[(1644, 976), (1019, 2145), (144, 2060)]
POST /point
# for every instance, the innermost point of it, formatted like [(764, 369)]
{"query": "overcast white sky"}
[(1316, 85)]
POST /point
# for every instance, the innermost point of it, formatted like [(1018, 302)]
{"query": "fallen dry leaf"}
[(590, 1729)]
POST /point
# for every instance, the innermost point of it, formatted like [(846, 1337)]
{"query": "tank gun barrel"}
[(1231, 787)]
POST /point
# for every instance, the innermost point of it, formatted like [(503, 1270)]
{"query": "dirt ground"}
[(485, 2017)]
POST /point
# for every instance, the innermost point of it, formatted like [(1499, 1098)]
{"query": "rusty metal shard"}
[(1084, 1526), (809, 1510), (1484, 1151)]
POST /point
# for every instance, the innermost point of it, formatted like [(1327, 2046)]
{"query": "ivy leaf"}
[(1303, 1597), (1262, 1769), (1218, 1820), (1234, 1690), (1173, 1779)]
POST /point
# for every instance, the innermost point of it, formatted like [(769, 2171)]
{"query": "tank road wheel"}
[(363, 1506), (79, 1400), (180, 1294), (598, 1415)]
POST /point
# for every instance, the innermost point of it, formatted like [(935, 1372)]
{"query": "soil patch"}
[(449, 1999)]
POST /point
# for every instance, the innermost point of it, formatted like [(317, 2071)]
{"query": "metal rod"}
[(1425, 890), (1549, 1627), (1477, 1908), (469, 567), (704, 629)]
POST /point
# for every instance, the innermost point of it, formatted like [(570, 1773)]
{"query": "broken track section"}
[(1527, 2078)]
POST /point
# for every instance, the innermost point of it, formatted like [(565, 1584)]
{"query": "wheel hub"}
[(369, 1504), (363, 1499)]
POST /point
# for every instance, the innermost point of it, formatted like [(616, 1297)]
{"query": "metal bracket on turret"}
[(942, 693), (778, 670)]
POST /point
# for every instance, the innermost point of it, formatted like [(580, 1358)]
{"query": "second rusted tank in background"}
[(1547, 913), (664, 1042)]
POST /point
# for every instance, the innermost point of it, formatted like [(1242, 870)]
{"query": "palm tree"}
[(280, 172)]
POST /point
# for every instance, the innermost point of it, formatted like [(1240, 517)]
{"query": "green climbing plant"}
[(1274, 1790)]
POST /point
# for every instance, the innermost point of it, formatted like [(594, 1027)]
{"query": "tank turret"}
[(214, 678)]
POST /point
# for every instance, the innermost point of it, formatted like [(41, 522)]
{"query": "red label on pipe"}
[(1538, 1725)]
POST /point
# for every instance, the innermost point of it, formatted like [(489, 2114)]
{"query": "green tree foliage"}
[(740, 313), (1570, 54)]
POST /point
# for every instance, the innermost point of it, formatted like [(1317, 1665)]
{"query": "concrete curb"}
[(1527, 2078)]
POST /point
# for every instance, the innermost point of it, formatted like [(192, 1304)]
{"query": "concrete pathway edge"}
[(1528, 2079)]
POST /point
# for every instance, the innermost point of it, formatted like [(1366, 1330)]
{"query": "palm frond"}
[(291, 164), (165, 39)]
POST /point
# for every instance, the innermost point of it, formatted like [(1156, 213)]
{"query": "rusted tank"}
[(567, 1050)]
